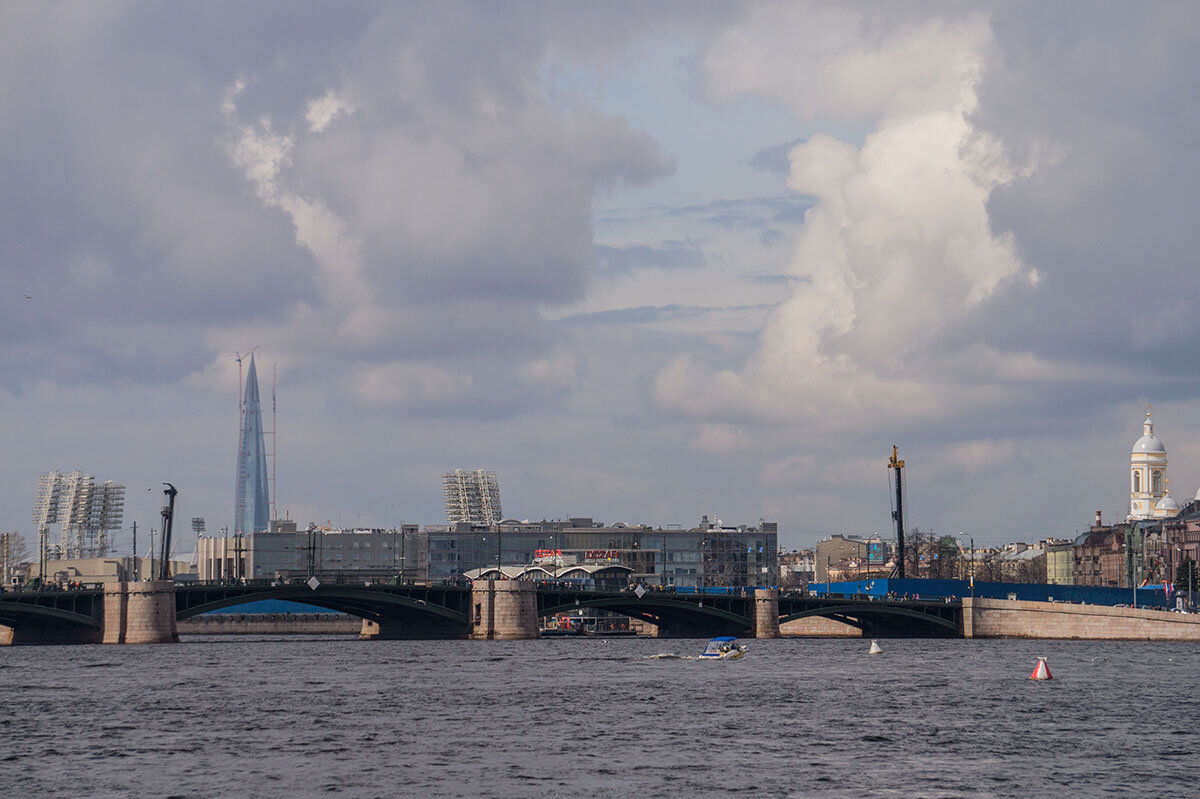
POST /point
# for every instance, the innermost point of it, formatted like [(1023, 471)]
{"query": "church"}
[(1149, 489)]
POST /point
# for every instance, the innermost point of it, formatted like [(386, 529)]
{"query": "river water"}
[(293, 717)]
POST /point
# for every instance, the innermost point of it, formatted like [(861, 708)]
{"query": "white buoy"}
[(1041, 671), (876, 649)]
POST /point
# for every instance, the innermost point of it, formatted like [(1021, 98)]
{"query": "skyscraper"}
[(252, 501), (472, 496)]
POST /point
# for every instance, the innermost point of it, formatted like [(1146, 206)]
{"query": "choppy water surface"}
[(307, 717)]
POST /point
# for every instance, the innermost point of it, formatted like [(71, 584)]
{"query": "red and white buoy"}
[(1041, 671)]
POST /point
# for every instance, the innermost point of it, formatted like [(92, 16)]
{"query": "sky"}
[(646, 261)]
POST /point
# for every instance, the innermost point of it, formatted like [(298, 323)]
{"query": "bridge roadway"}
[(413, 610)]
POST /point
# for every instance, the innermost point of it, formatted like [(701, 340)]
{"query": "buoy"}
[(1041, 671), (875, 648)]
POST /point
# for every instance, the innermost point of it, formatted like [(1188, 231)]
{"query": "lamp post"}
[(961, 534), (1190, 566)]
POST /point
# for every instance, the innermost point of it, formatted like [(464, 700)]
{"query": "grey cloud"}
[(468, 196), (1109, 217)]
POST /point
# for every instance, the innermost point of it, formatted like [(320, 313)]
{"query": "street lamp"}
[(972, 555), (1190, 566), (554, 555)]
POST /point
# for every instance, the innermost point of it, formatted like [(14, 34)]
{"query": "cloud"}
[(897, 247), (984, 250), (310, 189), (413, 386), (720, 439), (325, 109), (826, 59)]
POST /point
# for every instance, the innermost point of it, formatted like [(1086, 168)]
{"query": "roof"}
[(1149, 444), (538, 571)]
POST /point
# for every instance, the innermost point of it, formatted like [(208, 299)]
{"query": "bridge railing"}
[(329, 580), (33, 587)]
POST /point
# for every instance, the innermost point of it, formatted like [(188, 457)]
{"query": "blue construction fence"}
[(1152, 596)]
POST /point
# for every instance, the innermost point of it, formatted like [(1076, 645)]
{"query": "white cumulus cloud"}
[(898, 245), (325, 109)]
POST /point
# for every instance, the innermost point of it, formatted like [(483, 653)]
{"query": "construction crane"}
[(898, 513), (238, 356)]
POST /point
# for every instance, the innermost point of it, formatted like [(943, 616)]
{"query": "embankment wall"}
[(818, 627), (271, 624), (1000, 618)]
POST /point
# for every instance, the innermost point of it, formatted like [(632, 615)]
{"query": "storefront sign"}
[(547, 555)]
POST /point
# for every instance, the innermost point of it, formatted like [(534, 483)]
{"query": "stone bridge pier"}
[(503, 610), (140, 613), (766, 613)]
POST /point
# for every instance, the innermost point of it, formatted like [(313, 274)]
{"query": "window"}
[(1137, 482), (1156, 482)]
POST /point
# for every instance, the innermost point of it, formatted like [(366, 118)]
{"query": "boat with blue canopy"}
[(724, 647)]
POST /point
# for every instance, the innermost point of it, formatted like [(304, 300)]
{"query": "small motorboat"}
[(723, 648)]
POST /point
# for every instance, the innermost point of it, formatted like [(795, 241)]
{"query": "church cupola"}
[(1147, 473)]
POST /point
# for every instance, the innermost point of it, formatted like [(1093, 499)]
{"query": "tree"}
[(989, 569), (1187, 576), (13, 552), (945, 565), (1030, 571), (918, 553)]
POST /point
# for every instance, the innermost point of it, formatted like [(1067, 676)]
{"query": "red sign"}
[(601, 554)]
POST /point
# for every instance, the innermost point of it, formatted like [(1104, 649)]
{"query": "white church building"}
[(1149, 490)]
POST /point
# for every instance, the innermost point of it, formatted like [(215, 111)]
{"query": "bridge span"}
[(146, 612)]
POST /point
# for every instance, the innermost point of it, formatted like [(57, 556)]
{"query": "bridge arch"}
[(17, 614), (397, 611), (859, 615), (672, 616)]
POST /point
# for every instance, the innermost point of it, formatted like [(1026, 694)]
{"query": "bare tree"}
[(1031, 571), (988, 569), (945, 550), (13, 552), (916, 553)]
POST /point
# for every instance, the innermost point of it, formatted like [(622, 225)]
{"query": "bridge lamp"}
[(961, 534)]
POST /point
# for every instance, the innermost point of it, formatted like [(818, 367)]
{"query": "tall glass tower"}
[(252, 502)]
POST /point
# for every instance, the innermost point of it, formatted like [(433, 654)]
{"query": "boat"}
[(724, 647)]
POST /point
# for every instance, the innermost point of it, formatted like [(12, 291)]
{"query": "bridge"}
[(147, 612)]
